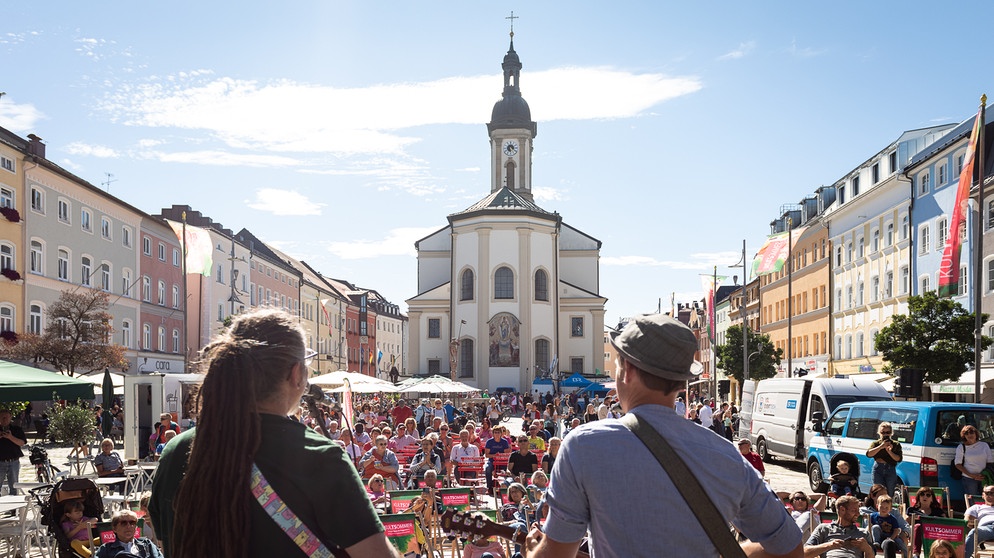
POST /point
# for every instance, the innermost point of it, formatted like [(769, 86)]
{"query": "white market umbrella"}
[(338, 378), (368, 387)]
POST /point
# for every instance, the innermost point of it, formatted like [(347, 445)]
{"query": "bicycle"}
[(44, 470)]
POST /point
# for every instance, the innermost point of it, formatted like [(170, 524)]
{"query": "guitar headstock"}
[(466, 525)]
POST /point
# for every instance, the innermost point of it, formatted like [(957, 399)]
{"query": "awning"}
[(24, 383)]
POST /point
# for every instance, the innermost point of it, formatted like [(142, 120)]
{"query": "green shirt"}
[(884, 455), (310, 473)]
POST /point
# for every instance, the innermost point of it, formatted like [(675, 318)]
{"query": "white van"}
[(779, 421)]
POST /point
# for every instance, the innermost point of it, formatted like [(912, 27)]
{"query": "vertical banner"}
[(949, 266)]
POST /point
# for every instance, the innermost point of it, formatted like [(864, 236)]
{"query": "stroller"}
[(833, 469), (52, 511)]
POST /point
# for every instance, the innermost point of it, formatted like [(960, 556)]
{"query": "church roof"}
[(501, 201)]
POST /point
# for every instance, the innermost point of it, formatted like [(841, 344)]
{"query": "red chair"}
[(470, 473)]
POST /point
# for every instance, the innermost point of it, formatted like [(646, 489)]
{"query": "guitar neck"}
[(460, 523)]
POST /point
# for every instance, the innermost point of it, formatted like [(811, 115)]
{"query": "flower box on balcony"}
[(10, 214)]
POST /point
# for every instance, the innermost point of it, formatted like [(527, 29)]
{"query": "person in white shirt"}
[(461, 451), (704, 413), (681, 407), (984, 516)]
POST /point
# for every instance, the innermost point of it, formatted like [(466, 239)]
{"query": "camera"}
[(886, 438)]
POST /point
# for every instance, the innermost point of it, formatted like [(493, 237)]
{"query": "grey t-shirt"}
[(607, 481)]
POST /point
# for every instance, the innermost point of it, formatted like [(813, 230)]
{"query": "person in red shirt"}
[(401, 412), (745, 448)]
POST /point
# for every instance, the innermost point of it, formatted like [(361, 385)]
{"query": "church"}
[(507, 292)]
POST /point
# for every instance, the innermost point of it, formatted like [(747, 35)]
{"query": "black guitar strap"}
[(704, 510)]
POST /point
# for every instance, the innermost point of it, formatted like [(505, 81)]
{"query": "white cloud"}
[(469, 169), (398, 242), (18, 118), (803, 52), (149, 143), (544, 194), (80, 148), (743, 49), (284, 202), (222, 158)]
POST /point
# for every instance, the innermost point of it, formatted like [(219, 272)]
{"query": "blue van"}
[(927, 431)]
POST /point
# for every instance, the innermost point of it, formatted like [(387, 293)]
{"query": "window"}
[(126, 334), (855, 186), (434, 328), (924, 285), (892, 159), (923, 183), (466, 358), (162, 252), (220, 312), (859, 345), (923, 240), (105, 277), (875, 240), (146, 246), (576, 327), (176, 257), (859, 294), (37, 200), (904, 228), (963, 277), (161, 299), (6, 256), (6, 318), (842, 195), (959, 166), (146, 288), (175, 296), (64, 211), (220, 274), (849, 297), (466, 285), (434, 366), (859, 247), (504, 283), (6, 198), (7, 164), (875, 172), (542, 356), (541, 285), (905, 281), (86, 269), (576, 365), (838, 256), (890, 234), (942, 172), (105, 228), (147, 337), (37, 258), (34, 319), (126, 237), (176, 341), (85, 220), (990, 276), (941, 229), (874, 288), (126, 283), (162, 339)]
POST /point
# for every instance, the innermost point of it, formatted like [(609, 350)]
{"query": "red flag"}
[(348, 411), (949, 266)]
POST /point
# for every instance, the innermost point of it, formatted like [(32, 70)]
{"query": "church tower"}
[(511, 133)]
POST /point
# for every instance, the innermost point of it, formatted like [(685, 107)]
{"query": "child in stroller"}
[(67, 494), (77, 528), (844, 479)]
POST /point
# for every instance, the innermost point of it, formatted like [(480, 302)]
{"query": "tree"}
[(77, 337), (764, 357), (72, 423), (936, 335)]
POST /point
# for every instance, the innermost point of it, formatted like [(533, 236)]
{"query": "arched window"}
[(541, 285), (509, 170), (6, 318), (466, 285), (542, 356), (466, 358), (126, 333), (162, 340), (86, 269), (147, 337), (504, 283), (37, 257), (859, 344), (176, 341), (161, 298), (6, 256)]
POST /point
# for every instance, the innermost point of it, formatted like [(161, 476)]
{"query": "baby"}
[(842, 481), (77, 528), (883, 525)]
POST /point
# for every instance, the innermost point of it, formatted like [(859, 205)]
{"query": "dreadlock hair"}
[(245, 365)]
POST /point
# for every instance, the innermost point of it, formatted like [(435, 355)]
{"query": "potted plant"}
[(11, 214), (73, 423), (8, 337), (11, 274)]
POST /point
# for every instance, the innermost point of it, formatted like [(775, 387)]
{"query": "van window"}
[(948, 427), (864, 422), (837, 423), (817, 406)]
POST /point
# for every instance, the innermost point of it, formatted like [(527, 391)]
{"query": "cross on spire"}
[(512, 17)]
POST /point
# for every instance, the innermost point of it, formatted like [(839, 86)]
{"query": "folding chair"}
[(401, 532), (471, 473), (934, 528)]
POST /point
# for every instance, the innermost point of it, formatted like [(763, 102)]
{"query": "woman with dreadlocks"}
[(248, 481)]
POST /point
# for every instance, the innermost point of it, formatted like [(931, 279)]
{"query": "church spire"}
[(511, 131)]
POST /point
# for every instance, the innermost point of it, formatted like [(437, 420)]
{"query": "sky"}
[(342, 132)]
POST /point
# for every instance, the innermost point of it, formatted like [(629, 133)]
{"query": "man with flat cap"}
[(624, 498)]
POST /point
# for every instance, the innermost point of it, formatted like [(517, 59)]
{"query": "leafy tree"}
[(936, 335), (72, 423), (77, 337), (764, 357)]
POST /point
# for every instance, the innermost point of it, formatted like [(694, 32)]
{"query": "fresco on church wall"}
[(504, 344)]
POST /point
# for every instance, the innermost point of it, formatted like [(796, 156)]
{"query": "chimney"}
[(36, 147)]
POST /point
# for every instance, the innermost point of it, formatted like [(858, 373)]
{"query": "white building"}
[(517, 287)]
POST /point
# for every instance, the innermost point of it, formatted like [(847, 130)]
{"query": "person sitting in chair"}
[(125, 523), (982, 516)]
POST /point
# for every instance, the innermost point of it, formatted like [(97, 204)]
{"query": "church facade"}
[(507, 292)]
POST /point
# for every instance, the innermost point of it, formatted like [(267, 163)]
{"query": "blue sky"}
[(344, 131)]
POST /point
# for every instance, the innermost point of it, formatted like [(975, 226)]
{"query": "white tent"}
[(97, 379), (335, 379), (366, 387)]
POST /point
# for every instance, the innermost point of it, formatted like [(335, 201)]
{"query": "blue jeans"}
[(890, 548), (971, 486), (984, 532), (885, 474), (10, 469)]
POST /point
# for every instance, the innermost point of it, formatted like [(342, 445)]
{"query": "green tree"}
[(73, 423), (77, 336), (936, 335), (764, 358)]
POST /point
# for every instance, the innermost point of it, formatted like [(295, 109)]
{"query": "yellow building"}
[(12, 253)]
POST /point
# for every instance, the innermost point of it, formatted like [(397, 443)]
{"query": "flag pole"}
[(186, 304), (790, 296), (978, 255)]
